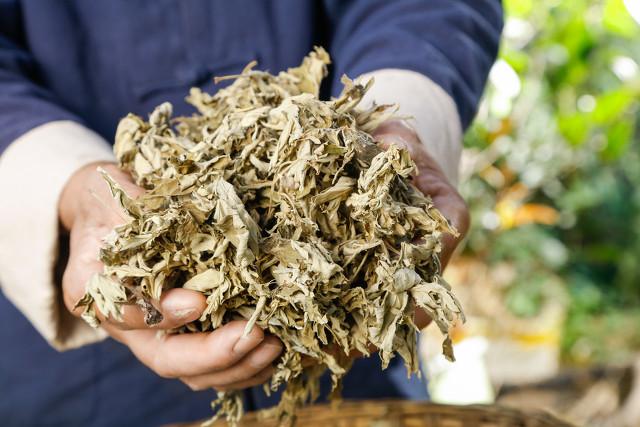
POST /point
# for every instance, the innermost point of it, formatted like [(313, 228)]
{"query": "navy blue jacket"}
[(95, 61)]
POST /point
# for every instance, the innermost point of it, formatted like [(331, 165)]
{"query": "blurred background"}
[(549, 274)]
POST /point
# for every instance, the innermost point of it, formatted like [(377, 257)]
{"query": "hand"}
[(431, 180), (220, 359)]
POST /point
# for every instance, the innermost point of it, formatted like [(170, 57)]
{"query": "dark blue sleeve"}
[(452, 42), (24, 104)]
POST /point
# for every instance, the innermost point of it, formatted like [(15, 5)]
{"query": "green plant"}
[(552, 177)]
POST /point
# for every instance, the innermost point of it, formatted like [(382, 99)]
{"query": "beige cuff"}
[(34, 170), (433, 112)]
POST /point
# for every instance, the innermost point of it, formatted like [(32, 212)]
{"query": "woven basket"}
[(399, 413)]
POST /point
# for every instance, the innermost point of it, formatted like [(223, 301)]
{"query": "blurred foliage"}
[(551, 169)]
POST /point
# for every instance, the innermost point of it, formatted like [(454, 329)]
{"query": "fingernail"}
[(273, 346), (244, 345), (185, 313)]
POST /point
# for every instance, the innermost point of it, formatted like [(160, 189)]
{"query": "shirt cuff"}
[(34, 170), (431, 111)]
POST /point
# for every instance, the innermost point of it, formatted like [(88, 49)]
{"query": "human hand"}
[(431, 180), (221, 359)]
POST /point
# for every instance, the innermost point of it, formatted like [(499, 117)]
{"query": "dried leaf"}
[(283, 211)]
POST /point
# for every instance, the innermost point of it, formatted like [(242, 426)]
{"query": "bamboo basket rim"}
[(401, 413)]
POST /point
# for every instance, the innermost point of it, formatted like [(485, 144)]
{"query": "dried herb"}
[(283, 211)]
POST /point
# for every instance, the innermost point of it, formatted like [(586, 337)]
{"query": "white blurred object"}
[(465, 381), (633, 7), (624, 68), (505, 79), (513, 362), (518, 31)]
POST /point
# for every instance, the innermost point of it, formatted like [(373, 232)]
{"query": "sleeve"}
[(451, 42), (41, 146), (24, 103), (427, 108), (430, 57)]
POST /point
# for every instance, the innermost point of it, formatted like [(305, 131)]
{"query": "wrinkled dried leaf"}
[(283, 211)]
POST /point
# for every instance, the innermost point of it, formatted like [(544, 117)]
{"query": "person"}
[(70, 70)]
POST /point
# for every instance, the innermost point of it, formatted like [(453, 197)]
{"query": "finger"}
[(453, 207), (185, 355), (180, 306), (252, 368), (177, 306), (258, 379)]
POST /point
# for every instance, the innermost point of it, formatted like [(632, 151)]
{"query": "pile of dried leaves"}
[(282, 210)]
